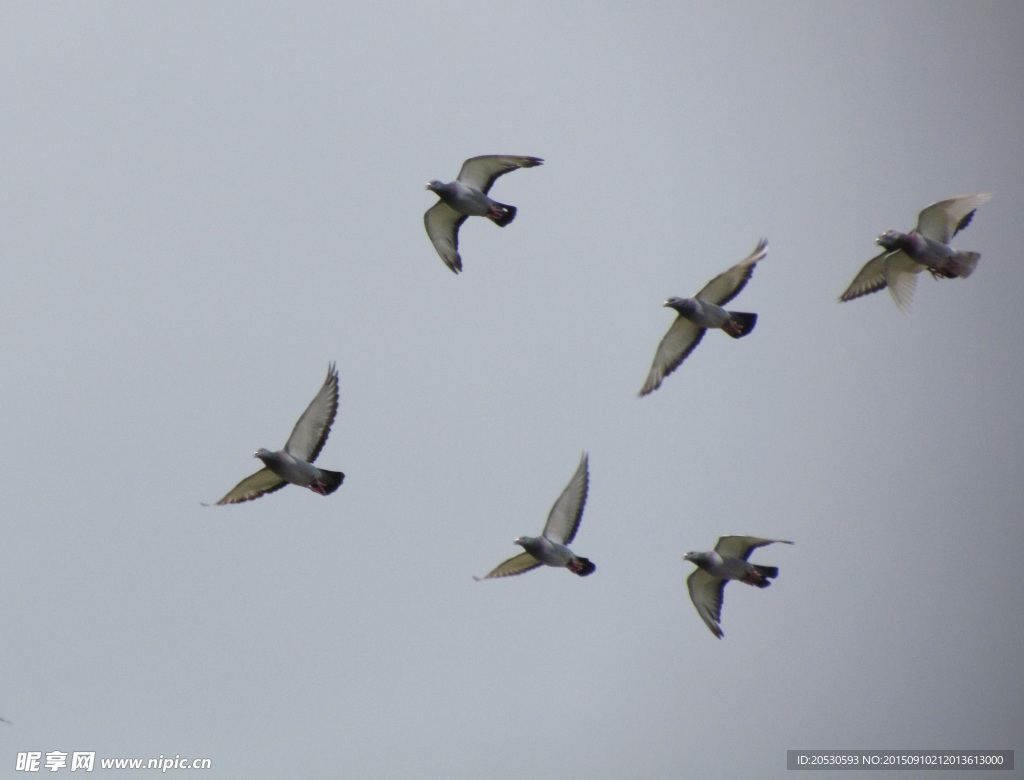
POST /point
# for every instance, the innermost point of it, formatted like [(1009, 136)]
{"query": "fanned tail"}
[(501, 214), (740, 324), (762, 576), (966, 263), (581, 566), (330, 482)]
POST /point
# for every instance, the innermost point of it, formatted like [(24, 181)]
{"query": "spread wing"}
[(901, 278), (565, 515), (680, 340), (481, 172), (262, 482), (742, 546), (515, 565), (943, 220), (311, 431), (894, 270), (726, 286), (706, 594), (443, 223), (871, 278)]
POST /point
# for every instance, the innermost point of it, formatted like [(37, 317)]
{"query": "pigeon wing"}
[(680, 340), (901, 278), (870, 279), (726, 286), (706, 594), (742, 546), (262, 482), (515, 565), (565, 515), (443, 223), (481, 172), (943, 220), (311, 431)]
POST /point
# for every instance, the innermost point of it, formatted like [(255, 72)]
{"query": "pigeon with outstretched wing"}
[(294, 463), (551, 547), (467, 197), (926, 246)]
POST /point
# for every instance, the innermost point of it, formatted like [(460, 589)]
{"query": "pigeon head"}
[(698, 558), (436, 185), (682, 305), (264, 454), (528, 543), (891, 240)]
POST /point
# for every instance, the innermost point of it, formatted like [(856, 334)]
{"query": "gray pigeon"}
[(728, 561), (294, 463), (550, 547), (926, 246), (703, 311), (467, 197)]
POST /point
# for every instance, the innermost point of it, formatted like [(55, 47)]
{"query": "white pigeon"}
[(728, 561), (550, 547), (926, 246), (695, 315), (294, 463), (467, 197)]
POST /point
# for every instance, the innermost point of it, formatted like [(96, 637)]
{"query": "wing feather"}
[(514, 565), (901, 278), (681, 339), (742, 546), (706, 594), (564, 517), (481, 172), (255, 485), (943, 220), (311, 431), (443, 223), (726, 286), (870, 278)]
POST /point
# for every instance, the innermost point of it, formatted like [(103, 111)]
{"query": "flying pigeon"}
[(926, 246), (728, 561), (703, 311), (550, 547), (294, 463), (467, 197)]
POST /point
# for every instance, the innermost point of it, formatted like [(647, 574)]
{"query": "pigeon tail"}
[(965, 263), (581, 566), (739, 324), (330, 482), (761, 576), (501, 214)]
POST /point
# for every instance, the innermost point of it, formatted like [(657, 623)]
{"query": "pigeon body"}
[(926, 246), (294, 464), (705, 310), (467, 197), (552, 553), (299, 472), (728, 561), (551, 547)]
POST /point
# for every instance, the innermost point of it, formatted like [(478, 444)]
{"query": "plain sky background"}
[(203, 204)]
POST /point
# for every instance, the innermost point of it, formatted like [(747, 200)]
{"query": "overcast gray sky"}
[(203, 204)]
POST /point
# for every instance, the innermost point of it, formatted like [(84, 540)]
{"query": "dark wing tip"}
[(964, 221)]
